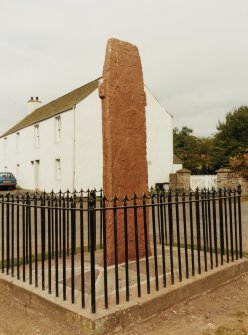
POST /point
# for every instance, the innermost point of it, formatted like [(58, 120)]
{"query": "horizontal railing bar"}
[(18, 204)]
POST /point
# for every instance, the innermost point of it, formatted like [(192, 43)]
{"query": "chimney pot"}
[(33, 104)]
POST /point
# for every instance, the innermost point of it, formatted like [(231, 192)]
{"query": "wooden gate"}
[(203, 181)]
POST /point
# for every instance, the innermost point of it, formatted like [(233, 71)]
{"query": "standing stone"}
[(124, 141)]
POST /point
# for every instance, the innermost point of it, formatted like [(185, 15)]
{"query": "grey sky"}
[(194, 52)]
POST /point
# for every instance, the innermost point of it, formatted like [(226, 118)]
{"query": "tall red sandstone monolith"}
[(124, 142)]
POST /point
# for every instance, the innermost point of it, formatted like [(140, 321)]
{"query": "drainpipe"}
[(74, 149)]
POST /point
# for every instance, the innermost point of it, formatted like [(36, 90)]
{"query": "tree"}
[(232, 137), (193, 151), (228, 147)]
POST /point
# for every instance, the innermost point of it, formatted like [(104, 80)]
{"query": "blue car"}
[(7, 180)]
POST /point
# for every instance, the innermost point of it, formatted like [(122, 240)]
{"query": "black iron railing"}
[(103, 251)]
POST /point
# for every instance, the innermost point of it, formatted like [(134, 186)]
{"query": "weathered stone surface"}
[(180, 179), (124, 140), (232, 179)]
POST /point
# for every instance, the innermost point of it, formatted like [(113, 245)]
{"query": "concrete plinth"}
[(108, 321)]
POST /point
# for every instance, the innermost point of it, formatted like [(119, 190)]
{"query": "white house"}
[(59, 145)]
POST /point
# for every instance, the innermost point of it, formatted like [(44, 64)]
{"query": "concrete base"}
[(104, 321)]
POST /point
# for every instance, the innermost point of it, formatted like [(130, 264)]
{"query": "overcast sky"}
[(194, 53)]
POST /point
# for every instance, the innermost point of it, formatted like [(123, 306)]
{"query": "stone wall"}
[(232, 179), (180, 179), (225, 178)]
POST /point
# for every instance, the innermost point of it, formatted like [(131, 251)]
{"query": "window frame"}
[(58, 128), (58, 173), (37, 135)]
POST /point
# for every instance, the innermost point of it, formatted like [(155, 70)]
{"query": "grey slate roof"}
[(62, 104)]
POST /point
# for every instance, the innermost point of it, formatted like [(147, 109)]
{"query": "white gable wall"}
[(159, 141), (89, 157), (84, 155)]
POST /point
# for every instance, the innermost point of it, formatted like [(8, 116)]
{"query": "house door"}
[(36, 174)]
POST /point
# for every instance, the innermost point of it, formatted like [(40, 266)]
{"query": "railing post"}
[(116, 251), (185, 235), (235, 223), (240, 223), (43, 245), (178, 238), (215, 227), (12, 235), (72, 250), (231, 222), (146, 242), (3, 232), (18, 238), (105, 254), (160, 210), (154, 241), (82, 249), (204, 230), (126, 246), (198, 231), (221, 227), (171, 237), (64, 244), (226, 226), (191, 233), (35, 238), (7, 232), (29, 238), (49, 245), (210, 228), (92, 224), (136, 244), (101, 219)]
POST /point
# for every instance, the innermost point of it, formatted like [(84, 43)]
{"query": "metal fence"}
[(61, 241)]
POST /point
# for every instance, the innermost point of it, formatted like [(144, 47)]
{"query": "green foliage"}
[(193, 151), (232, 136), (206, 155)]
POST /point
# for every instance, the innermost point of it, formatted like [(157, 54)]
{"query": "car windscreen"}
[(6, 175)]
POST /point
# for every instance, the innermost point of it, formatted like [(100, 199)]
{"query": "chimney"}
[(33, 104)]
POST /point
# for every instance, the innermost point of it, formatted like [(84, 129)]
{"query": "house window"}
[(36, 135), (18, 142), (58, 169), (58, 128), (5, 143)]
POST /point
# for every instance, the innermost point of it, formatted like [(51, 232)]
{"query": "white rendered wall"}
[(159, 141), (48, 151), (89, 157), (84, 155)]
